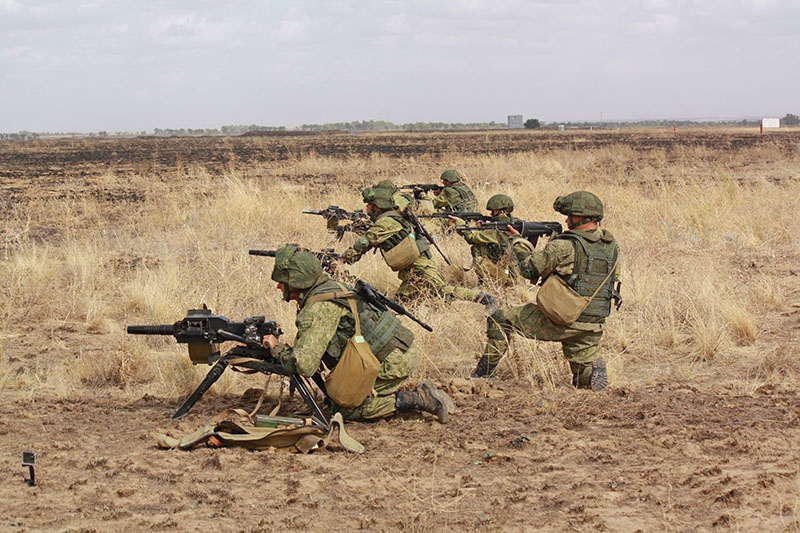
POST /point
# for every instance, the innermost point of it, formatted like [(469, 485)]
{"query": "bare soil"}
[(686, 455)]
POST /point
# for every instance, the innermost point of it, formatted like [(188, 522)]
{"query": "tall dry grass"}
[(709, 242)]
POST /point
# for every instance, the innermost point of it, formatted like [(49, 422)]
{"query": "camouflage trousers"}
[(395, 370), (424, 278), (502, 273), (580, 342)]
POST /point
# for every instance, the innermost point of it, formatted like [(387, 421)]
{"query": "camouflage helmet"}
[(580, 203), (453, 176), (381, 197), (501, 202), (387, 184), (296, 268)]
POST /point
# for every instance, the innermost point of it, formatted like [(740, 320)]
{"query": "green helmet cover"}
[(580, 203), (296, 268), (500, 201), (451, 175), (381, 197), (387, 184)]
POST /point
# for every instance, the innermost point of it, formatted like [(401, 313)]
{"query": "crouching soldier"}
[(406, 253), (583, 259), (330, 318), (491, 250)]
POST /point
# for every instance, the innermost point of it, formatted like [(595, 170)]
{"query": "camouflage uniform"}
[(491, 251), (566, 256), (455, 196), (323, 328), (389, 230), (326, 323), (423, 276)]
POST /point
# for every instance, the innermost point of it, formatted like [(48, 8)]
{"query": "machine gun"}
[(420, 188), (528, 230), (326, 256), (420, 230), (204, 331), (334, 214), (463, 215)]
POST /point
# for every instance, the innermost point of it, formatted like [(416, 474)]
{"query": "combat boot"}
[(425, 398), (599, 379), (488, 300), (485, 368)]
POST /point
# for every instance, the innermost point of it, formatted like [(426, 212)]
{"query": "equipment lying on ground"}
[(528, 230), (333, 214), (204, 331)]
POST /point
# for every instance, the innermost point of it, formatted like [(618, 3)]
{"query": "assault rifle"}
[(420, 188), (529, 230), (204, 331), (463, 215), (420, 230), (326, 256), (367, 291), (382, 302), (334, 214)]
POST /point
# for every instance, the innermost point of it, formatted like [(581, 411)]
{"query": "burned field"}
[(684, 439)]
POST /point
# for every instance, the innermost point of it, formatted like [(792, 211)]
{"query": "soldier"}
[(406, 253), (585, 257), (455, 195), (401, 199), (325, 322), (491, 249)]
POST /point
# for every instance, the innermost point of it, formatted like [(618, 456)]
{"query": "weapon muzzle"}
[(151, 330)]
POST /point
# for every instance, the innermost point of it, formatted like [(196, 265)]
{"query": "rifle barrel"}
[(265, 253)]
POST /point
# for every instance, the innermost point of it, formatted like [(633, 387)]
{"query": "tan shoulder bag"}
[(561, 303)]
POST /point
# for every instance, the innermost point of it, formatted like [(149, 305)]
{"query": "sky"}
[(133, 66)]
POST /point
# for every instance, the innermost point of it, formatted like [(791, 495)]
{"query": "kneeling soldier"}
[(585, 257), (491, 249), (326, 322)]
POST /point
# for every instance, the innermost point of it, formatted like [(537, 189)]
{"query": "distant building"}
[(515, 122)]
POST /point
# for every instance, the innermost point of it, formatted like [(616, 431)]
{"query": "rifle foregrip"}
[(151, 330)]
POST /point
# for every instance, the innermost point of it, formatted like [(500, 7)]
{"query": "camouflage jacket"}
[(456, 197)]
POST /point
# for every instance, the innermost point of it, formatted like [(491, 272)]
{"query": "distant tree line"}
[(381, 125)]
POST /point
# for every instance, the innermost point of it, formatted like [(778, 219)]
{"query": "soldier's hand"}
[(269, 341), (512, 231)]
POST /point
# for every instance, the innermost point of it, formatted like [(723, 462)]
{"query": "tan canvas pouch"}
[(559, 302), (353, 377), (403, 255)]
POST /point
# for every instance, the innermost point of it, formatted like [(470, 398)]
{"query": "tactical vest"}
[(495, 251), (593, 262), (466, 198), (380, 328), (397, 238)]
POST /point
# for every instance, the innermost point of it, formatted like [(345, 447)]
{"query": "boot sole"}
[(599, 375), (443, 399)]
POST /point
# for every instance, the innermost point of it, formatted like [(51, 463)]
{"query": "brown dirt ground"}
[(682, 456)]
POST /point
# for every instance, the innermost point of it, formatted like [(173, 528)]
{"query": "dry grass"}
[(707, 237)]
